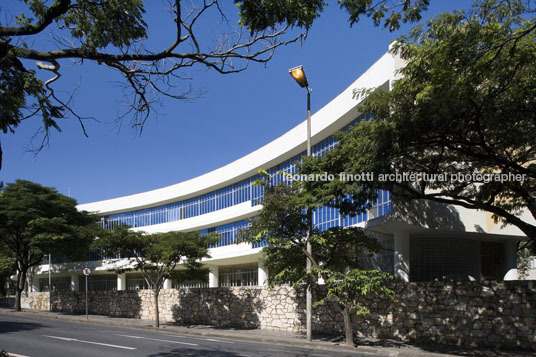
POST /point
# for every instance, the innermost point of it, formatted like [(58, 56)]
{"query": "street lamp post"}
[(50, 282), (299, 75)]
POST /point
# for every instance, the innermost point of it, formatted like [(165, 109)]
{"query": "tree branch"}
[(54, 11)]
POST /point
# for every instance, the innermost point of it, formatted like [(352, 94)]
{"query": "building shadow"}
[(428, 214)]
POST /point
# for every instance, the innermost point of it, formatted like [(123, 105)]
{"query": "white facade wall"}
[(331, 118)]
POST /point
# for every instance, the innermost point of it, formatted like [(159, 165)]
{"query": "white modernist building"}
[(422, 241)]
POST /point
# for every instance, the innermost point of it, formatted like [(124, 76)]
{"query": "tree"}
[(337, 252), (7, 268), (155, 255), (37, 220), (263, 14), (114, 34), (465, 107)]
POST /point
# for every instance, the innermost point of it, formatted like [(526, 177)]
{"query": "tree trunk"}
[(348, 330), (21, 279), (156, 313), (17, 299)]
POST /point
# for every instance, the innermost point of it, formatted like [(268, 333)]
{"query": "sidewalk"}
[(367, 346)]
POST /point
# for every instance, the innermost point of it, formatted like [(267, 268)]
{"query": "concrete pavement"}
[(367, 346)]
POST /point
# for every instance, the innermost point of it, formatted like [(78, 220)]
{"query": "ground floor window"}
[(238, 275), (383, 260), (98, 282), (444, 258), (59, 283), (136, 282)]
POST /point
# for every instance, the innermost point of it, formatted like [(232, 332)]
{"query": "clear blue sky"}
[(237, 114)]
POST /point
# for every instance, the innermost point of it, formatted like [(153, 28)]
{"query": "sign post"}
[(86, 272)]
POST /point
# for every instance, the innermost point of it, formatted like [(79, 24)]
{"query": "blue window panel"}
[(245, 191), (388, 208), (260, 244)]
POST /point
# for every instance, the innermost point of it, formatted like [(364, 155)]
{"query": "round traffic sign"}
[(86, 271)]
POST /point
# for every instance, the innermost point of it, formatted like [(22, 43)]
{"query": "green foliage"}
[(37, 220), (353, 285), (118, 23), (16, 85), (96, 24), (394, 12), (7, 268), (285, 224), (260, 15), (525, 255), (465, 104)]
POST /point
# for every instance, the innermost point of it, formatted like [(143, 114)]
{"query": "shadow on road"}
[(195, 353), (14, 326)]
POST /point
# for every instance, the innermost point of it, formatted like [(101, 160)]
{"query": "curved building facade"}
[(415, 247)]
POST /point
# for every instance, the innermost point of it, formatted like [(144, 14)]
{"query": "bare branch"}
[(148, 75)]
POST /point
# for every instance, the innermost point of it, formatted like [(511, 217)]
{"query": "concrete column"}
[(75, 282), (401, 255), (167, 284), (213, 273), (510, 255), (262, 277), (121, 282)]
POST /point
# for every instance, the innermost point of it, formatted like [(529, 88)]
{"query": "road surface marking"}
[(11, 354), (192, 337), (90, 342), (159, 340), (210, 339)]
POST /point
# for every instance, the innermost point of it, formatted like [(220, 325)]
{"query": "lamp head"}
[(299, 76)]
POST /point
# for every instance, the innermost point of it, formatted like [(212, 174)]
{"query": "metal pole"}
[(87, 315), (49, 282), (309, 295)]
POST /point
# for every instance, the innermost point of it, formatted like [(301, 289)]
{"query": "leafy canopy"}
[(262, 14), (37, 220), (465, 105)]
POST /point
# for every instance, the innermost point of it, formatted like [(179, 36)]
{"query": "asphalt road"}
[(23, 336)]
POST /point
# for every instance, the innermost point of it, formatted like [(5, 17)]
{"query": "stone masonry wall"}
[(35, 301), (471, 314), (245, 307), (486, 314)]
